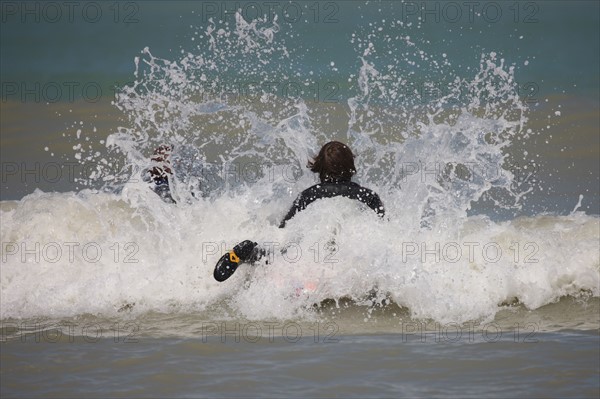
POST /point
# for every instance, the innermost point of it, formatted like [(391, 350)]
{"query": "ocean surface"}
[(477, 123)]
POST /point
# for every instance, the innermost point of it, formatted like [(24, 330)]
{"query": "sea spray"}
[(241, 144)]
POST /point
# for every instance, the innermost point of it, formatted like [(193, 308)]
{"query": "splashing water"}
[(243, 125)]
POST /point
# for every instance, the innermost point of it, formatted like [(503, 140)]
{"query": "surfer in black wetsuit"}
[(159, 174), (335, 166)]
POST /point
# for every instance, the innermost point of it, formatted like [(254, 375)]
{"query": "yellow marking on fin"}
[(233, 257)]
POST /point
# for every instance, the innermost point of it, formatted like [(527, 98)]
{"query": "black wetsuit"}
[(160, 185), (330, 189)]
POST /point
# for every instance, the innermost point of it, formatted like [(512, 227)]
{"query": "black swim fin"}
[(246, 251)]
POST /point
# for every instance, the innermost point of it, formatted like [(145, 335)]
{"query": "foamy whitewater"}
[(115, 249)]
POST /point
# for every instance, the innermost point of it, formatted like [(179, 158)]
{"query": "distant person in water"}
[(160, 173), (335, 166)]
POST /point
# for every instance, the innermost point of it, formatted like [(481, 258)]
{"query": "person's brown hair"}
[(161, 155), (335, 161)]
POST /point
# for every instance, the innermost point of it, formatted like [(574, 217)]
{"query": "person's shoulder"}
[(308, 194), (371, 196), (313, 188), (364, 189)]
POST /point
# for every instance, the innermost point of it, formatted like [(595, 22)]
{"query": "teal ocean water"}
[(476, 122), (58, 60)]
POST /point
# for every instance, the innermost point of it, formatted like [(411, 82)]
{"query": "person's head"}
[(161, 156), (335, 162), (162, 153)]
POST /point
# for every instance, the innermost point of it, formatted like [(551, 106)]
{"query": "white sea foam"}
[(160, 257)]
